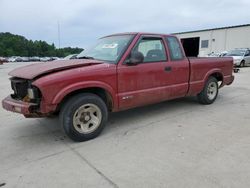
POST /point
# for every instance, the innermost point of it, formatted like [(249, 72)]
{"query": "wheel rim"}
[(211, 90), (87, 118)]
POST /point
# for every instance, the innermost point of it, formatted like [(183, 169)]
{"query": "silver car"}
[(241, 56)]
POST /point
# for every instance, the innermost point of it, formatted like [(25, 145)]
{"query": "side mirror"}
[(135, 58)]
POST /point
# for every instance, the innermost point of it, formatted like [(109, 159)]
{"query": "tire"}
[(210, 91), (83, 117), (242, 63)]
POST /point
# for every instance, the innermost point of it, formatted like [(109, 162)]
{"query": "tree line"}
[(16, 45)]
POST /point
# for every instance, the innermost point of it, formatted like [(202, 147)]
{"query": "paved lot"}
[(178, 144)]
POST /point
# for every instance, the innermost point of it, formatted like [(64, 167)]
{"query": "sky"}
[(81, 22)]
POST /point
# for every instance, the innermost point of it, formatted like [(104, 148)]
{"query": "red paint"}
[(128, 86), (12, 105), (31, 71)]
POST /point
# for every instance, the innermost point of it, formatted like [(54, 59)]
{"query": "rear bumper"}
[(228, 80), (20, 107)]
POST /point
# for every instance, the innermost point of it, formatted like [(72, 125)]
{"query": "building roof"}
[(218, 28)]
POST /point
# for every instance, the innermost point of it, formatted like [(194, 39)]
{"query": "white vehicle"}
[(44, 59), (71, 56), (213, 54), (15, 59), (222, 54), (241, 56), (12, 59)]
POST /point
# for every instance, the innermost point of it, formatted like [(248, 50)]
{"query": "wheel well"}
[(102, 93), (218, 76)]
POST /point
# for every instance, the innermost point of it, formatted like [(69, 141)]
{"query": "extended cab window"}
[(152, 49), (174, 48)]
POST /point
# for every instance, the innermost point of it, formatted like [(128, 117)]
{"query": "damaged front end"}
[(25, 99), (24, 90)]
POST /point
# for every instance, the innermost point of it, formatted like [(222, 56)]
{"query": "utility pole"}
[(59, 34)]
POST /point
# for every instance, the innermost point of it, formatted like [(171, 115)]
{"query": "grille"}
[(19, 87)]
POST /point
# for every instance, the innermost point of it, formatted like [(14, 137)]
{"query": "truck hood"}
[(38, 69)]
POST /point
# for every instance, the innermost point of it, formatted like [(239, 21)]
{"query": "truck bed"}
[(202, 67)]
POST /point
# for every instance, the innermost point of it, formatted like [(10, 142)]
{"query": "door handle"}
[(168, 69)]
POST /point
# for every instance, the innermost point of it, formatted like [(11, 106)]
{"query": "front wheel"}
[(210, 91), (84, 116), (242, 63)]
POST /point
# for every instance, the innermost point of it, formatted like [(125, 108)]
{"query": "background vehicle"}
[(56, 58), (44, 59), (213, 54), (3, 60), (71, 56), (221, 54), (12, 59), (24, 59), (241, 56), (120, 72), (34, 58), (224, 53)]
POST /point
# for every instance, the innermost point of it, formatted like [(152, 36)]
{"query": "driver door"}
[(146, 82)]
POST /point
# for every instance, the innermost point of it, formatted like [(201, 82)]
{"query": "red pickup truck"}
[(121, 71)]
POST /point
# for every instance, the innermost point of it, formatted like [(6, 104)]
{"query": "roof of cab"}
[(138, 33)]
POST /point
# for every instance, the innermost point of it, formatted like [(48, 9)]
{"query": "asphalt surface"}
[(174, 144)]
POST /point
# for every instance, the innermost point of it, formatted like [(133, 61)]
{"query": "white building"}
[(202, 42)]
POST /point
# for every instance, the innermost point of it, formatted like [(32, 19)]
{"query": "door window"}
[(152, 49)]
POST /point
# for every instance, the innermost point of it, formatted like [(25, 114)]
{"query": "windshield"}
[(236, 53), (108, 48)]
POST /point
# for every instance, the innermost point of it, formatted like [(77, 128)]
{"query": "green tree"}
[(16, 45)]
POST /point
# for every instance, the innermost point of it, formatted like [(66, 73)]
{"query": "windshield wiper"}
[(85, 57)]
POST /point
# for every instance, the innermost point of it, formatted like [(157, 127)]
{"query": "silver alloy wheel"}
[(87, 118), (212, 90)]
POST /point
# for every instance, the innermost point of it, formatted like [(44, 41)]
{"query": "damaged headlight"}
[(31, 93)]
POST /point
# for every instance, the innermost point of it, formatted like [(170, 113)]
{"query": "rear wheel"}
[(84, 116), (210, 91)]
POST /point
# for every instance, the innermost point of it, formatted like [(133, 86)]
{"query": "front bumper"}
[(17, 106), (237, 63)]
